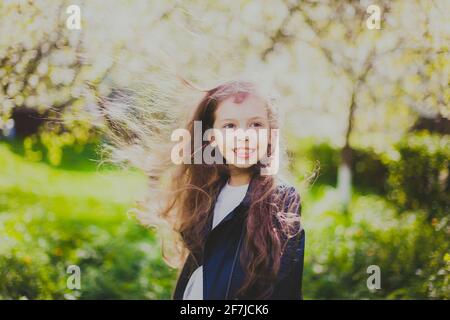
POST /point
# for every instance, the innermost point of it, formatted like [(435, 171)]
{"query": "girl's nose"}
[(244, 136)]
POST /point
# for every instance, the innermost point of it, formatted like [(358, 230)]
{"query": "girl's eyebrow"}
[(252, 118), (258, 117)]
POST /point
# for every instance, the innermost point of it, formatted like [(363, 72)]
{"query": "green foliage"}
[(398, 219), (51, 218), (75, 157), (44, 230), (413, 255), (420, 179), (328, 159), (369, 169)]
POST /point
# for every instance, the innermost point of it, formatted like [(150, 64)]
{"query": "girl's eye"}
[(256, 124), (228, 126)]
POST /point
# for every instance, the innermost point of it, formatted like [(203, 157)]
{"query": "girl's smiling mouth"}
[(244, 152)]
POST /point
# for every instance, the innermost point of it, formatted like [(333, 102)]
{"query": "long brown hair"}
[(263, 244), (191, 190)]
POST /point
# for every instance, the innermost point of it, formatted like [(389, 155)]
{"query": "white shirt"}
[(229, 198)]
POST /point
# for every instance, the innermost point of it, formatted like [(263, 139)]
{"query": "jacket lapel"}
[(242, 207)]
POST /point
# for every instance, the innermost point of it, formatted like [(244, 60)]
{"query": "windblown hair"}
[(181, 197)]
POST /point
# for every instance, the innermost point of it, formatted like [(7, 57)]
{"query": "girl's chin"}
[(243, 166), (242, 163)]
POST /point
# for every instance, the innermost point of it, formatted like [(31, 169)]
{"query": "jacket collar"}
[(242, 207)]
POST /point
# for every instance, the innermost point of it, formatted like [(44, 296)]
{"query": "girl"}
[(239, 228)]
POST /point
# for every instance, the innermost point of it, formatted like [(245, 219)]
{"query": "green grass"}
[(51, 218), (43, 179)]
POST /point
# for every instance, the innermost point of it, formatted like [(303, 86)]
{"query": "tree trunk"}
[(344, 183)]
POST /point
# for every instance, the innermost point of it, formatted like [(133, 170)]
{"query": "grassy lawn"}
[(51, 218)]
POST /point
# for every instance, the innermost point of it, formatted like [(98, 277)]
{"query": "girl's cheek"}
[(262, 150), (263, 144), (227, 152)]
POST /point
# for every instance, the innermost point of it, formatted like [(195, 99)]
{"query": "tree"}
[(356, 54)]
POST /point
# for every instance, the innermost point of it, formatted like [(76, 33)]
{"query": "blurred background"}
[(364, 88)]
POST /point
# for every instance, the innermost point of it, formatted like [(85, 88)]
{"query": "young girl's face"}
[(251, 116)]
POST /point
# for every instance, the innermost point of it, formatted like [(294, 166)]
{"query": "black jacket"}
[(222, 272)]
